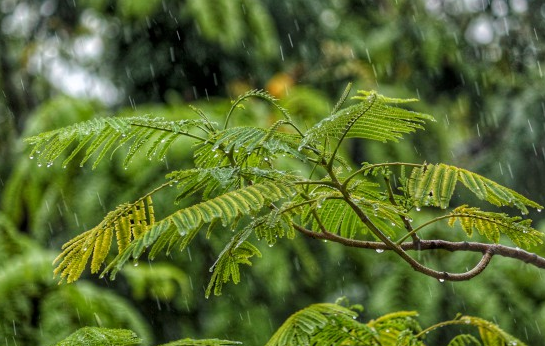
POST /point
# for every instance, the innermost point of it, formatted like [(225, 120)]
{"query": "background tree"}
[(470, 65)]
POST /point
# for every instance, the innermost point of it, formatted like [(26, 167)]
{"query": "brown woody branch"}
[(487, 251)]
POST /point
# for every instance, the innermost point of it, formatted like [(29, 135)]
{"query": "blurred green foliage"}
[(156, 56)]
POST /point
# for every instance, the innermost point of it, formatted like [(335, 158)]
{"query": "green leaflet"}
[(433, 185), (492, 225), (104, 133)]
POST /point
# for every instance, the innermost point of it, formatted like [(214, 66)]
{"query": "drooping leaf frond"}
[(274, 225), (182, 226), (95, 336), (491, 225), (104, 135), (433, 185), (226, 268), (299, 327), (494, 193), (128, 222), (372, 118)]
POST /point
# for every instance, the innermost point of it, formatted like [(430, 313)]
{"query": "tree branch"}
[(487, 250)]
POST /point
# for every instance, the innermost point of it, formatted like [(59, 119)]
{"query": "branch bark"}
[(487, 251)]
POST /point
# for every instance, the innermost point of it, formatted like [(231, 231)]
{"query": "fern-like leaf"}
[(106, 135), (95, 336), (464, 340), (247, 144), (433, 185), (182, 226), (372, 118), (274, 225), (226, 268), (492, 225), (395, 326), (261, 94), (202, 342), (128, 222), (490, 333), (299, 327), (494, 193)]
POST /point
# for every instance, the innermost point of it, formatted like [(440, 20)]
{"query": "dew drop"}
[(441, 280), (539, 210), (380, 250), (31, 157), (136, 264), (417, 208), (39, 165)]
